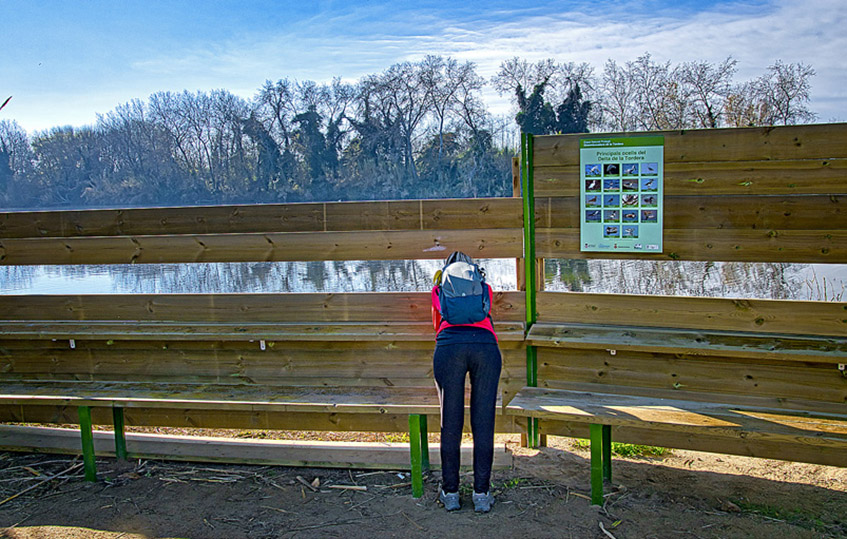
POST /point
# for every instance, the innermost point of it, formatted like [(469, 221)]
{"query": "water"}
[(819, 282)]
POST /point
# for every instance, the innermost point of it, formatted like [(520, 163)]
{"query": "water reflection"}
[(709, 279), (259, 277), (817, 282)]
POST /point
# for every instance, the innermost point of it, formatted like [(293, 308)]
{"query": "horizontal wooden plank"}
[(259, 247), (355, 455), (813, 141), (721, 314), (709, 178), (760, 402), (711, 419), (228, 419), (442, 214), (243, 308), (397, 400), (271, 333), (717, 245), (814, 454), (684, 375), (392, 365), (697, 343), (764, 213)]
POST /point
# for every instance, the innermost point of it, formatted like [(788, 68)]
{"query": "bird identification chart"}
[(621, 194)]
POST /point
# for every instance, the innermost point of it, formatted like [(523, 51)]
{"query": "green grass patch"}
[(628, 450), (795, 517)]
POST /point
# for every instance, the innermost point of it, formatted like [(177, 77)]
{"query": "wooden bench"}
[(780, 425), (160, 360)]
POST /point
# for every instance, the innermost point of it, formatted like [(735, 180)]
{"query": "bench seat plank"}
[(683, 341), (711, 418), (370, 400), (182, 331)]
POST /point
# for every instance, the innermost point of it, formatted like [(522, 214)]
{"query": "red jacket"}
[(438, 324)]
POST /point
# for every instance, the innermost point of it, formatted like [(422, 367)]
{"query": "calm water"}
[(738, 280)]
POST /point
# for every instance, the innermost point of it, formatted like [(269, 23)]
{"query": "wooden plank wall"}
[(383, 230), (413, 229), (749, 195), (753, 195)]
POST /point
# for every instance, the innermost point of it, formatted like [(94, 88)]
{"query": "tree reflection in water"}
[(666, 277)]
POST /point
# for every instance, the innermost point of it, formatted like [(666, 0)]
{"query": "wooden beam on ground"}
[(355, 455)]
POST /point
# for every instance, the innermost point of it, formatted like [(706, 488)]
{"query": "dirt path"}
[(685, 494)]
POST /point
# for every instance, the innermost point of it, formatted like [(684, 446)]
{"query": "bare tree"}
[(708, 87), (619, 102), (784, 90)]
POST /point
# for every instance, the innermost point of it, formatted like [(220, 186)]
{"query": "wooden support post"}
[(607, 453), (87, 437), (415, 454), (120, 433)]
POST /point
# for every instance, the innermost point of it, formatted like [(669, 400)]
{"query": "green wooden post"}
[(596, 435), (120, 433), (415, 454), (528, 197), (607, 453), (89, 463), (424, 444)]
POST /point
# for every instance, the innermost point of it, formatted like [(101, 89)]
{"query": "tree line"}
[(416, 130)]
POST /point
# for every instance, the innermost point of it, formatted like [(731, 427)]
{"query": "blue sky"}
[(64, 62)]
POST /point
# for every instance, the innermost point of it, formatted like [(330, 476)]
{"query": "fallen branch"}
[(608, 534), (45, 480), (349, 487), (306, 484), (338, 523), (418, 526)]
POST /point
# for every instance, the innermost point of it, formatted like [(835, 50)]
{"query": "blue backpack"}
[(462, 292)]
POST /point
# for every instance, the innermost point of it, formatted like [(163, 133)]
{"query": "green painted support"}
[(87, 437), (415, 454), (424, 444), (533, 435), (528, 197), (607, 453), (601, 460), (596, 434), (120, 433)]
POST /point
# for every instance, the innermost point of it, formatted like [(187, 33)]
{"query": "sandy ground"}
[(683, 494)]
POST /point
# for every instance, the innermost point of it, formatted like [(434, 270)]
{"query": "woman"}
[(462, 349)]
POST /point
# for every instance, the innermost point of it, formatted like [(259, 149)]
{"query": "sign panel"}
[(621, 194)]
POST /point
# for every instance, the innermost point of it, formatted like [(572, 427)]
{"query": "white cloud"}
[(366, 39)]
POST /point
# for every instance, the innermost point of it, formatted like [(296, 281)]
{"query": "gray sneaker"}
[(450, 501), (482, 502)]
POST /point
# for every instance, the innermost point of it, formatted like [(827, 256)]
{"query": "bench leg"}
[(607, 453), (424, 444), (415, 454), (120, 433), (532, 438), (87, 437), (601, 460)]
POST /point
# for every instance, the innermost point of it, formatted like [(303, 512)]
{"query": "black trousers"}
[(451, 364)]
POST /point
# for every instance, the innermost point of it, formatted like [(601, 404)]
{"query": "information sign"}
[(621, 194)]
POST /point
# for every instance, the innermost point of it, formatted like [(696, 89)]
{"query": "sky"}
[(65, 62)]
